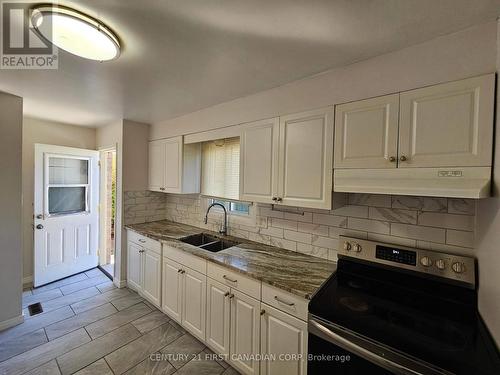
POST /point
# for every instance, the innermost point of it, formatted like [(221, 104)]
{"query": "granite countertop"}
[(297, 273)]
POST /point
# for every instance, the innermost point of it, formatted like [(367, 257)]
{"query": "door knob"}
[(39, 226)]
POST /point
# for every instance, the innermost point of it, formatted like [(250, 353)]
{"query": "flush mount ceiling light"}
[(75, 32)]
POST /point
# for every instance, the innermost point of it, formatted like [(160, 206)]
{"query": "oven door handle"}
[(318, 329)]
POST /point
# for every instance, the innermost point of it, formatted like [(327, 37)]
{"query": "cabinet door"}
[(306, 153), (171, 302), (366, 133), (245, 332), (448, 125), (218, 316), (285, 338), (134, 266), (156, 165), (194, 291), (173, 165), (259, 144), (151, 285)]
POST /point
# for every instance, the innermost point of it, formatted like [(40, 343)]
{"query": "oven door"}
[(335, 350)]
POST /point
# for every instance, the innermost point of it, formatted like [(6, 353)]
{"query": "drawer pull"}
[(229, 279), (141, 240), (284, 302)]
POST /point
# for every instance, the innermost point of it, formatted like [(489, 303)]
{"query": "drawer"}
[(144, 241), (186, 259), (284, 301), (234, 279)]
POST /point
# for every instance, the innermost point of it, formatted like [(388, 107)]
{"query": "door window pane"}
[(63, 171), (66, 200)]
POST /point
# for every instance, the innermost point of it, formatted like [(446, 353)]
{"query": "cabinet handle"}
[(141, 240), (183, 272), (392, 159), (141, 251), (231, 296), (284, 302), (226, 294), (262, 312), (279, 199), (229, 279), (403, 158), (179, 270)]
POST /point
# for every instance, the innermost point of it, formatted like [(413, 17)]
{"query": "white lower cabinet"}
[(184, 296), (144, 271), (172, 289), (194, 289), (233, 326), (218, 316), (245, 333), (283, 343), (134, 265)]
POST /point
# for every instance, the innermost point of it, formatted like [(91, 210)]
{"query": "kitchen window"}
[(233, 208), (220, 168)]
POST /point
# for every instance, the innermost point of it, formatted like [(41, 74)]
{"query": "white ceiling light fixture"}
[(75, 32)]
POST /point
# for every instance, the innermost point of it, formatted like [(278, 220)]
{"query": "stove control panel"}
[(449, 266)]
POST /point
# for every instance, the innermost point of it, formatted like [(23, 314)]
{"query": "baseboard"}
[(27, 281), (120, 283), (11, 322)]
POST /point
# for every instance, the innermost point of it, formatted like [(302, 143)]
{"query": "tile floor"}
[(88, 326)]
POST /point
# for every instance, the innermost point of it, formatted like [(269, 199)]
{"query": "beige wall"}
[(467, 53), (135, 157), (11, 112), (53, 133), (488, 238)]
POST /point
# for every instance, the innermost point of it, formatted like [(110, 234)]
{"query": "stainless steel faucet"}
[(224, 227)]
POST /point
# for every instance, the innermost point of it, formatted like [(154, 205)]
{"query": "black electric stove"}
[(396, 310)]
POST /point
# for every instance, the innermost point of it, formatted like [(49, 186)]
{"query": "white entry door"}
[(66, 214)]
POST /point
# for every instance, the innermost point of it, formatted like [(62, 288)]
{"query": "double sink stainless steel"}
[(208, 242)]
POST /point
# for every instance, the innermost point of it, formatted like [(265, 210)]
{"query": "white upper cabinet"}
[(306, 159), (448, 125), (174, 167), (445, 125), (156, 165), (288, 160), (259, 161), (173, 164), (366, 133)]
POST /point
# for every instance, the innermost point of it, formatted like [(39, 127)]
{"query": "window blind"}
[(220, 168)]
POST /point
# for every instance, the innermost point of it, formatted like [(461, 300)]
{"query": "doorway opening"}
[(108, 211)]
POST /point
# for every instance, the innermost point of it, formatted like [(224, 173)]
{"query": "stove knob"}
[(357, 248), (347, 246), (426, 261), (458, 267), (441, 264)]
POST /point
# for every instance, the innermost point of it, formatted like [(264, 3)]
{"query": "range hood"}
[(468, 182)]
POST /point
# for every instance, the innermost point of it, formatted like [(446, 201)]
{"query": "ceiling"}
[(183, 55)]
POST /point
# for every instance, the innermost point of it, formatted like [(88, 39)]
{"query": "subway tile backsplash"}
[(440, 224)]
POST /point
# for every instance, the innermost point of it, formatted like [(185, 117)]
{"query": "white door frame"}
[(103, 231), (64, 244)]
